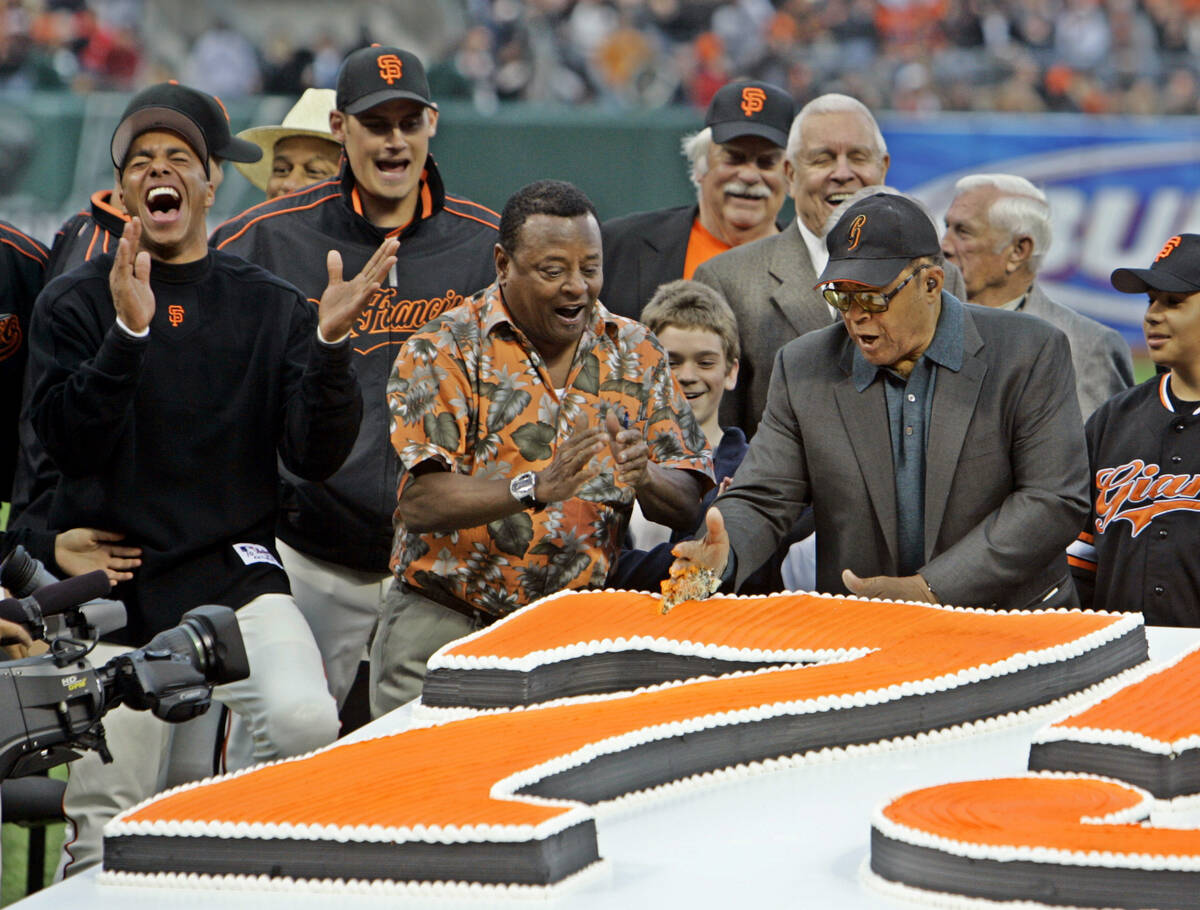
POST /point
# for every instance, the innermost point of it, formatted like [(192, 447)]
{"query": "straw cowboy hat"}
[(308, 117)]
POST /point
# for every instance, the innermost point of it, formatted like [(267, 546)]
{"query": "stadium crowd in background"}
[(1089, 56)]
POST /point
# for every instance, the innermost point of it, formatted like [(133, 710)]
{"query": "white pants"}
[(284, 702), (342, 606)]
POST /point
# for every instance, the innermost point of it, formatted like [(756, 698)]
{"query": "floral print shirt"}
[(469, 390)]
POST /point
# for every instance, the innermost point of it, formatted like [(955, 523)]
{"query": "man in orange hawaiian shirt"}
[(527, 420)]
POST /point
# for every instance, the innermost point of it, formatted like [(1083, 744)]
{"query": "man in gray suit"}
[(939, 443), (997, 232), (834, 149)]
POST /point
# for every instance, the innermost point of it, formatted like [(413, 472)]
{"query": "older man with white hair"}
[(834, 150), (736, 165), (998, 231)]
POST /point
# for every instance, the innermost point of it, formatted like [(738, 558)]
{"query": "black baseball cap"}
[(199, 118), (1176, 269), (750, 109), (876, 238), (375, 74)]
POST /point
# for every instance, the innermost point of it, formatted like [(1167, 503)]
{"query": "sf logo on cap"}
[(1168, 248), (856, 227), (389, 68), (753, 99)]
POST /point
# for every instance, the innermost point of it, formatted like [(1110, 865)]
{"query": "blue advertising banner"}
[(1118, 189)]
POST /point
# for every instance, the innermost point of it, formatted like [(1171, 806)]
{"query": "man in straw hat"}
[(298, 152)]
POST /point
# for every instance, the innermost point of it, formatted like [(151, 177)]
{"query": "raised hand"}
[(129, 279), (344, 301)]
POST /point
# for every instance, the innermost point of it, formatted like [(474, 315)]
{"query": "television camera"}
[(51, 704)]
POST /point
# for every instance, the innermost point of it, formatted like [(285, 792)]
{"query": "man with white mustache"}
[(736, 163)]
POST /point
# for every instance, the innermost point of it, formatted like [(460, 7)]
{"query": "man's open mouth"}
[(162, 203)]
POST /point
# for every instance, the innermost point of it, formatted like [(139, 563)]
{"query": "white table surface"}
[(792, 838)]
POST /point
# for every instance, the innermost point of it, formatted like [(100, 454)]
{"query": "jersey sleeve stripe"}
[(450, 211), (25, 244), (459, 201), (253, 221), (1077, 563), (24, 252), (1082, 554)]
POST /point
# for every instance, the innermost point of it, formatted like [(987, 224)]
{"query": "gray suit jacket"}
[(1006, 478), (1103, 365), (769, 285)]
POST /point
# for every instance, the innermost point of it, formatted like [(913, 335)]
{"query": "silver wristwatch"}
[(522, 488)]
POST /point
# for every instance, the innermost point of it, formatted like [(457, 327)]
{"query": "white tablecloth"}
[(792, 838)]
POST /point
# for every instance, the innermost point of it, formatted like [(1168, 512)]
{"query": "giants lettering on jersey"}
[(1138, 493), (385, 315)]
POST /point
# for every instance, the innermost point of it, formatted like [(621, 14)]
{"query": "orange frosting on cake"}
[(1038, 812), (1164, 706), (445, 775)]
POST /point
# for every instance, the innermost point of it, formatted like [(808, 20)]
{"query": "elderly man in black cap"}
[(940, 444), (1138, 550), (169, 379), (736, 165)]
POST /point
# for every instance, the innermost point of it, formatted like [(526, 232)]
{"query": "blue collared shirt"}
[(909, 404)]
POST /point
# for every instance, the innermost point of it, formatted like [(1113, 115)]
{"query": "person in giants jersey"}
[(1138, 550), (335, 536)]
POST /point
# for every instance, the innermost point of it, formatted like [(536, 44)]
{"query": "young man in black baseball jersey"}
[(335, 536), (169, 380), (1139, 549)]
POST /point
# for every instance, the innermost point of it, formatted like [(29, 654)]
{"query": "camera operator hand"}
[(82, 550), (15, 639)]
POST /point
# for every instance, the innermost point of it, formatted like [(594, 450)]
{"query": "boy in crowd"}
[(1138, 550), (699, 332)]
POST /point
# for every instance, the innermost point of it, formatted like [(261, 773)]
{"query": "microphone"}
[(56, 598), (63, 595)]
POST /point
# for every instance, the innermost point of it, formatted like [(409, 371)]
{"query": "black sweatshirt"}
[(172, 439)]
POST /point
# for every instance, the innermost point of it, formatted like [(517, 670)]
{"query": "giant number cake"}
[(590, 698), (1102, 822)]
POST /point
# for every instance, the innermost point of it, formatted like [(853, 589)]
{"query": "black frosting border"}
[(1049, 883), (591, 674), (1165, 776), (530, 862)]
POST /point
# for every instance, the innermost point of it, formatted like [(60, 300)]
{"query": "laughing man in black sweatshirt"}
[(169, 377)]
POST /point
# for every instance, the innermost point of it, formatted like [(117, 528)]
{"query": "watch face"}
[(521, 488)]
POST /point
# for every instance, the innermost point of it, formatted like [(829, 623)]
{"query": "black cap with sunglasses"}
[(876, 238)]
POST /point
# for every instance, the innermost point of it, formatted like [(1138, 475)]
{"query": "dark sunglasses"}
[(870, 301)]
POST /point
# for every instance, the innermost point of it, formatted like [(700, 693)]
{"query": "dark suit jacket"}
[(769, 285), (1006, 478), (1103, 365), (642, 251)]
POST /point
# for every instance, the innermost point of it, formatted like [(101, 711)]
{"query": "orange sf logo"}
[(389, 68), (1168, 248), (856, 227), (753, 99), (175, 314)]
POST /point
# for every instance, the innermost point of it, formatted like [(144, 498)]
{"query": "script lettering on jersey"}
[(1138, 493), (387, 315)]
